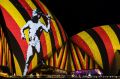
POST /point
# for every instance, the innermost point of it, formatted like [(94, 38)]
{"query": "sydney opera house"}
[(33, 43)]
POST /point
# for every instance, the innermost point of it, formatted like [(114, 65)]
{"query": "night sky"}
[(78, 15)]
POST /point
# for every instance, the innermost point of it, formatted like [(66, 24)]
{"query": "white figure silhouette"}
[(34, 25)]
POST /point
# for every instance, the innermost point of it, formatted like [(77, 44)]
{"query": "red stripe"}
[(62, 30), (43, 45), (79, 57), (26, 7), (80, 42), (15, 30), (30, 67), (107, 43)]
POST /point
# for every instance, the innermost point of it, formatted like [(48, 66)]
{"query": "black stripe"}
[(40, 55), (101, 48), (88, 61), (52, 41), (15, 48), (13, 44), (116, 29), (21, 10), (93, 61)]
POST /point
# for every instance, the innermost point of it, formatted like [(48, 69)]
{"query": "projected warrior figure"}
[(34, 26)]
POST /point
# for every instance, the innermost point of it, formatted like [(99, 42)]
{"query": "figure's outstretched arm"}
[(46, 28), (23, 28)]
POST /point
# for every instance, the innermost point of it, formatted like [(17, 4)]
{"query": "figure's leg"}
[(37, 47), (29, 54)]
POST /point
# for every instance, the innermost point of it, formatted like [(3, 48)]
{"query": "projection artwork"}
[(30, 35)]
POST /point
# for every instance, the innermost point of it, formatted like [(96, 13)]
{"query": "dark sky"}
[(78, 15)]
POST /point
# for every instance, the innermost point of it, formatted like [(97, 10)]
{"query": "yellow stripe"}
[(29, 2), (93, 47), (54, 23), (76, 58), (17, 67), (34, 61), (3, 60), (113, 38), (13, 12), (46, 62), (63, 59), (91, 64), (42, 20), (9, 7), (58, 57), (72, 65)]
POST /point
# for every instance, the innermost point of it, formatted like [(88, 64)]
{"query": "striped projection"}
[(15, 14), (100, 43), (5, 54), (59, 59), (80, 60), (89, 49)]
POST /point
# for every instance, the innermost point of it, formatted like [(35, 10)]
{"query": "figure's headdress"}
[(36, 12)]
